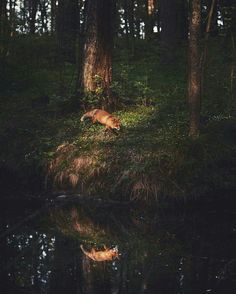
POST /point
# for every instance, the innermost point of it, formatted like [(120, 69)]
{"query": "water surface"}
[(163, 253)]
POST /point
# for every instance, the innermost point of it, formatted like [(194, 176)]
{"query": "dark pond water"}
[(163, 253)]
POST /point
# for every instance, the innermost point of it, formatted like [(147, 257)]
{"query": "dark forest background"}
[(166, 68)]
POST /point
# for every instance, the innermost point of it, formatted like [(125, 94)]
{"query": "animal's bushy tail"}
[(83, 117), (82, 248), (88, 114)]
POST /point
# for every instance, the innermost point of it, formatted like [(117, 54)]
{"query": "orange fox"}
[(103, 117), (103, 255)]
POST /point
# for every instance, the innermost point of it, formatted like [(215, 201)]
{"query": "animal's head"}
[(115, 253), (116, 124)]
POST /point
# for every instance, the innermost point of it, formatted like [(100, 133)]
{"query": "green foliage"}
[(151, 158)]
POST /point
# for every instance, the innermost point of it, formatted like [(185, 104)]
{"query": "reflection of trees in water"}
[(29, 255), (66, 266), (140, 262), (94, 229), (155, 259), (96, 277)]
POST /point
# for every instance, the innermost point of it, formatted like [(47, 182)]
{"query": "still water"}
[(159, 252)]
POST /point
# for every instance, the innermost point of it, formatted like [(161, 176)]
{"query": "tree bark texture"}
[(194, 70), (97, 65)]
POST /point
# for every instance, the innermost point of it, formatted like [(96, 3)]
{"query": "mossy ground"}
[(152, 158)]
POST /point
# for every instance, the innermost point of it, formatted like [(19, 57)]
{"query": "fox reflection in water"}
[(101, 255)]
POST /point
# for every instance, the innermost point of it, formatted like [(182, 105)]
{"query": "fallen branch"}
[(98, 202)]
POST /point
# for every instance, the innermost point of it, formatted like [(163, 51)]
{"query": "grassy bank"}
[(152, 158)]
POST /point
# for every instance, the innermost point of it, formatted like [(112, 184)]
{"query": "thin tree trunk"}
[(131, 24), (33, 7), (126, 22), (67, 25), (3, 17), (182, 20), (44, 18), (168, 17), (53, 16), (79, 44), (194, 79), (209, 21), (232, 71), (12, 16), (137, 27), (158, 19), (207, 34), (173, 18), (212, 7), (150, 20), (3, 38)]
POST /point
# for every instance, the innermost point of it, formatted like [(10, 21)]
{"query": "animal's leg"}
[(106, 130), (94, 119)]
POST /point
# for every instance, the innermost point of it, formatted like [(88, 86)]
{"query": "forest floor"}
[(45, 146)]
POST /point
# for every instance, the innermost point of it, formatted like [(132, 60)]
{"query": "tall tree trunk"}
[(137, 28), (33, 7), (25, 9), (158, 19), (206, 37), (4, 38), (194, 70), (212, 25), (150, 18), (67, 28), (3, 17), (131, 24), (138, 17), (53, 16), (97, 65), (126, 22), (79, 42), (168, 11), (182, 20), (44, 17), (173, 18), (12, 16)]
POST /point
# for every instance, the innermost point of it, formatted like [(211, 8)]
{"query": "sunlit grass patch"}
[(135, 116)]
